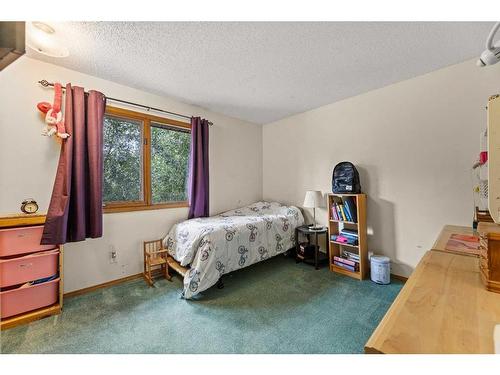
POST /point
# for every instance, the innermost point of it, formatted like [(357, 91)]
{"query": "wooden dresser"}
[(443, 307), (489, 258), (31, 275)]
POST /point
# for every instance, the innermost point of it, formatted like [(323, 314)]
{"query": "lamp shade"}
[(313, 199)]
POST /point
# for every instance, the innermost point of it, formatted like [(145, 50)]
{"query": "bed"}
[(207, 248)]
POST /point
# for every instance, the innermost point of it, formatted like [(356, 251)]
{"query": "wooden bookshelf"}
[(335, 226)]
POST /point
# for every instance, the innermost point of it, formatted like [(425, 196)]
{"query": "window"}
[(145, 161), (123, 152), (169, 163)]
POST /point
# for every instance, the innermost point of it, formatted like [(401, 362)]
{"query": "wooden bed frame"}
[(157, 245), (174, 265)]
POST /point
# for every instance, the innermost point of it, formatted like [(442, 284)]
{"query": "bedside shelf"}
[(345, 244)]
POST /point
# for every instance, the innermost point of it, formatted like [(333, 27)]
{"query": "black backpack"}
[(345, 179)]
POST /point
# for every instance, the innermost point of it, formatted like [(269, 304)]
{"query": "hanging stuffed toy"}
[(53, 116)]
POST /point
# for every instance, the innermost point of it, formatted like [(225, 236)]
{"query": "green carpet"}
[(275, 306)]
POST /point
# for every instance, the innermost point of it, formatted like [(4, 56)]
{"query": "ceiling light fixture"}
[(44, 27), (42, 38), (491, 54)]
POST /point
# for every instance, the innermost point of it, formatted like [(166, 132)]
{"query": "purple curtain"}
[(75, 209), (198, 169)]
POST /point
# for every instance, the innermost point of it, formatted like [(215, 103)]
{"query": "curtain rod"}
[(46, 83)]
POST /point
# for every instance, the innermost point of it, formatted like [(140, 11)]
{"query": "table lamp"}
[(314, 199)]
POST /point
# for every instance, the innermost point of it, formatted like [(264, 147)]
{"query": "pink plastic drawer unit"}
[(21, 300), (28, 268), (22, 240)]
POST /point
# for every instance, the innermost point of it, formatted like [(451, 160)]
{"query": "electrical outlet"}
[(113, 254)]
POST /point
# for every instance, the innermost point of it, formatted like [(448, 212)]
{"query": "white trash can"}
[(380, 269)]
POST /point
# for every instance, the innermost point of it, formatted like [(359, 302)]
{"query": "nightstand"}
[(304, 232)]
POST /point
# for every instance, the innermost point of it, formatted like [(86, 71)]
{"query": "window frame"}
[(146, 119)]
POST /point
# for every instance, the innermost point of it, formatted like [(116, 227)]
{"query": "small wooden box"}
[(489, 257)]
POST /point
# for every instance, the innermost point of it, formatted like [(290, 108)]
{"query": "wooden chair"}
[(155, 259)]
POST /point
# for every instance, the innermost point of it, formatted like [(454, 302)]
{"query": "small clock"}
[(29, 206)]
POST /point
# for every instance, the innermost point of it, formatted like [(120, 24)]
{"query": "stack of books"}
[(348, 236), (350, 255), (347, 264), (344, 210), (351, 235)]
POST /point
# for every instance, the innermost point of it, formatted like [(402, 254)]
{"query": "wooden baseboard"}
[(400, 278), (140, 275), (103, 285), (30, 316)]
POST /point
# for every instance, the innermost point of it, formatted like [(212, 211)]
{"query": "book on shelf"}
[(344, 239), (341, 211), (335, 215), (349, 233), (344, 266), (350, 206), (352, 232), (349, 262), (354, 260), (344, 210), (346, 214), (350, 255), (350, 239)]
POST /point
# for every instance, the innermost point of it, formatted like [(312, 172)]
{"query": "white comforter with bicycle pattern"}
[(235, 239)]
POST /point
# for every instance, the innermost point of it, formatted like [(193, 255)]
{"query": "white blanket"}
[(236, 239)]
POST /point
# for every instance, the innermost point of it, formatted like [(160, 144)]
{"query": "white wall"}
[(414, 143), (28, 163)]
